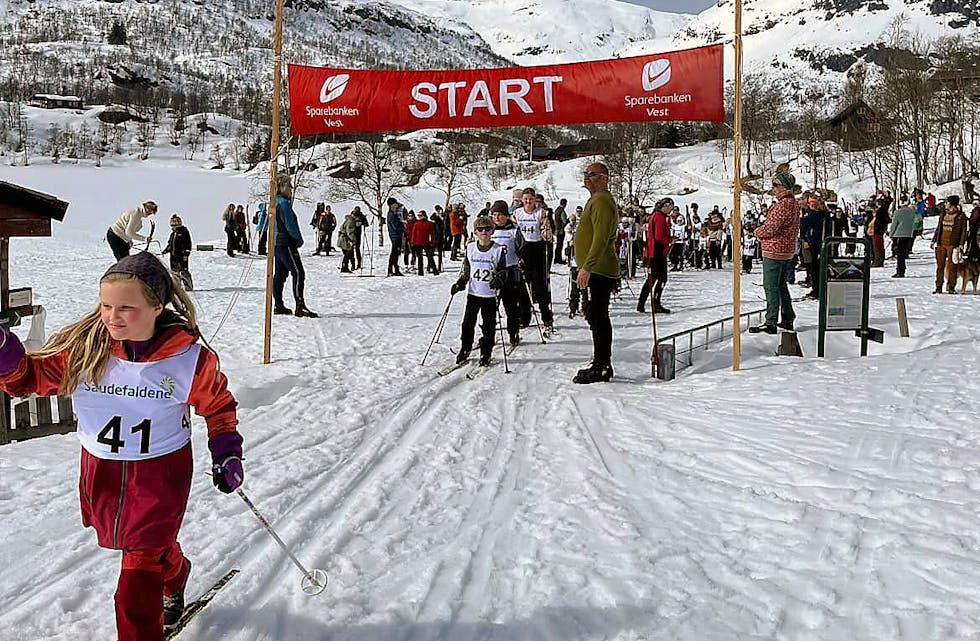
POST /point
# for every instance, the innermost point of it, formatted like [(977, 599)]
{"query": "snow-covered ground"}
[(799, 499)]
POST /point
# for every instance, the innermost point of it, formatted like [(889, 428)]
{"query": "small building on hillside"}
[(858, 127), (580, 149), (54, 101)]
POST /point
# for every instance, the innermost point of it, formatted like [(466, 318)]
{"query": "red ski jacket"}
[(140, 504), (422, 234), (658, 235)]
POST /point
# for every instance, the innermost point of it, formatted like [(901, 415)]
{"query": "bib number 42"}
[(110, 436)]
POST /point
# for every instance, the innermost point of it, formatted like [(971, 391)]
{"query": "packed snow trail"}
[(801, 499)]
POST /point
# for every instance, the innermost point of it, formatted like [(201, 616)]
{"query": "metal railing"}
[(697, 338)]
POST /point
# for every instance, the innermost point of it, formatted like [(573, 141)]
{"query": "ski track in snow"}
[(800, 499)]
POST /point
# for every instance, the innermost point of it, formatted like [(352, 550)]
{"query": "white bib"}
[(505, 237), (677, 231), (530, 225), (138, 410), (483, 264)]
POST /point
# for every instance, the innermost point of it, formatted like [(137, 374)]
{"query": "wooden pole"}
[(737, 204), (270, 260), (903, 318)]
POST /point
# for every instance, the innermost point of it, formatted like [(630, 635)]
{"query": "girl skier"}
[(134, 368)]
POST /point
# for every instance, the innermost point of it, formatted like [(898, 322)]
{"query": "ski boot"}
[(173, 605), (463, 356)]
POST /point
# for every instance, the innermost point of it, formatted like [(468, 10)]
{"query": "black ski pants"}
[(487, 309), (600, 290), (119, 247), (510, 296), (536, 272), (396, 249), (902, 253), (658, 276), (288, 264)]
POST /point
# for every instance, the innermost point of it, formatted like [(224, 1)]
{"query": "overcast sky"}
[(680, 6)]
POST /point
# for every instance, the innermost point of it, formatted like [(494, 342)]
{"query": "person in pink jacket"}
[(778, 239)]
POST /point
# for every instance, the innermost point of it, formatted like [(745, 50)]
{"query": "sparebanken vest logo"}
[(333, 87), (656, 74)]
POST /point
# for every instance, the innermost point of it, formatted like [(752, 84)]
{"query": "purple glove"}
[(11, 351), (227, 473)]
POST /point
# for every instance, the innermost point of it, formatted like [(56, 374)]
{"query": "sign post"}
[(845, 289)]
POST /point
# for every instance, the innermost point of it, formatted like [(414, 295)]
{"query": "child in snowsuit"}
[(134, 368), (483, 274), (749, 246), (179, 248)]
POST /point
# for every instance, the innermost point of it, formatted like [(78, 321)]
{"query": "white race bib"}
[(505, 237), (530, 225), (483, 264), (138, 410)]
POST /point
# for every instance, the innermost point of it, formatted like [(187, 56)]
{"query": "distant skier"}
[(126, 229), (231, 236), (179, 247), (241, 230), (484, 273), (136, 462), (262, 228), (507, 234)]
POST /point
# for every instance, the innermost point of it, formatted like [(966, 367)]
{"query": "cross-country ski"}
[(193, 608)]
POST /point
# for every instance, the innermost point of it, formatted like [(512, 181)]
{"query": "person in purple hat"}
[(135, 367)]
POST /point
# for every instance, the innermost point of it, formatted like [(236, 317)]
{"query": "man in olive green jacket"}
[(595, 254)]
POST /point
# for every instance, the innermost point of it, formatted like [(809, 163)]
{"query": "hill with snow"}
[(812, 45)]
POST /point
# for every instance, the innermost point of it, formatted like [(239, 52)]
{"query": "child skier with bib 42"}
[(134, 369), (484, 273)]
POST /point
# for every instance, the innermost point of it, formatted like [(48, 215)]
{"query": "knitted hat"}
[(148, 270), (953, 200), (784, 178), (175, 221), (499, 207)]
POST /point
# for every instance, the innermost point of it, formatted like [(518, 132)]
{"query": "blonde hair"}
[(88, 341)]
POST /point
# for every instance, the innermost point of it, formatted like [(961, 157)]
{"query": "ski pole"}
[(534, 311), (654, 356), (314, 581), (438, 332), (503, 344)]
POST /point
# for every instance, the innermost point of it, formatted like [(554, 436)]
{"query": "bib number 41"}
[(110, 436)]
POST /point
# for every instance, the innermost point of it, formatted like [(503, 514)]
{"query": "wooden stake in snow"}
[(737, 205), (903, 318), (270, 260)]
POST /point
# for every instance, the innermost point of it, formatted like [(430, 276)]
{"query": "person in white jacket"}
[(127, 227)]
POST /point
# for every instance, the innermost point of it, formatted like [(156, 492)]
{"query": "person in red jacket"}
[(134, 369), (778, 239), (457, 229), (657, 249), (423, 239)]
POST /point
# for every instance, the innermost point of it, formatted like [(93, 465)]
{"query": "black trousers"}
[(560, 247), (357, 249), (487, 309), (536, 273), (119, 247), (288, 263), (396, 249), (231, 241), (600, 289), (714, 255), (510, 296), (576, 295), (747, 264), (658, 274), (902, 253), (347, 265), (263, 242)]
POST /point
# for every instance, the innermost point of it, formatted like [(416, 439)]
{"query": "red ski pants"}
[(145, 576)]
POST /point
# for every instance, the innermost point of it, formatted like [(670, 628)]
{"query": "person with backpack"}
[(261, 222), (134, 367)]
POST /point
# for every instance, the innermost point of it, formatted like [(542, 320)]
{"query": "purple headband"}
[(148, 270)]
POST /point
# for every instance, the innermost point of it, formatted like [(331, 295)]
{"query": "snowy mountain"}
[(533, 32), (818, 42)]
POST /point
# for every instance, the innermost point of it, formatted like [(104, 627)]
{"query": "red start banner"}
[(681, 85)]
